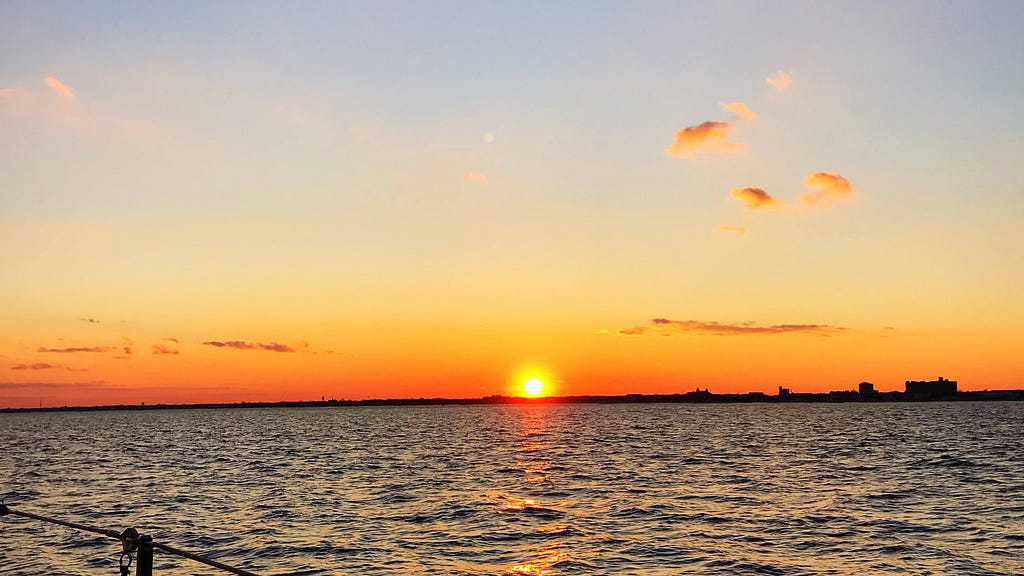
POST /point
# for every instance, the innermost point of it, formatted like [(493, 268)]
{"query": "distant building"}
[(783, 391), (940, 387), (840, 396), (699, 394), (866, 388)]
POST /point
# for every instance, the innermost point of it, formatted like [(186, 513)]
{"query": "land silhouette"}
[(940, 390)]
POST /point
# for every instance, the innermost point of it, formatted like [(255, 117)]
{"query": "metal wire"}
[(4, 509)]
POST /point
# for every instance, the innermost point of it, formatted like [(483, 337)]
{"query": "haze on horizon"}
[(251, 201)]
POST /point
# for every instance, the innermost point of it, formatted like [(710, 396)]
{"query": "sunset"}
[(374, 226), (534, 205)]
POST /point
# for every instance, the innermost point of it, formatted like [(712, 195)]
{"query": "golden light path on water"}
[(533, 441)]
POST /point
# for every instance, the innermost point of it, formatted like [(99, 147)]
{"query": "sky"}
[(252, 201)]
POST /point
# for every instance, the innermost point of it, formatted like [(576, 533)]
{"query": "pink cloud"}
[(780, 81), (60, 89), (739, 109), (13, 92), (705, 137)]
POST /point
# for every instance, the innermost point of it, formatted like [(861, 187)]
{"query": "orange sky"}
[(480, 361), (449, 202)]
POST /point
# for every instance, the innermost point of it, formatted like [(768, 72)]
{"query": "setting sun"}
[(533, 387)]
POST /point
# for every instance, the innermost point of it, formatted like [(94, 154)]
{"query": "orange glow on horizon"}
[(470, 363)]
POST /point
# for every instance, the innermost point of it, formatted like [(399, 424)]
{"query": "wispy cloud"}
[(60, 89), (162, 349), (666, 327), (175, 340), (90, 320), (17, 103), (45, 366), (240, 345), (705, 137), (827, 188), (95, 384), (734, 229), (13, 92), (57, 103), (127, 346), (38, 366), (739, 109), (780, 81), (476, 177), (95, 349), (755, 198)]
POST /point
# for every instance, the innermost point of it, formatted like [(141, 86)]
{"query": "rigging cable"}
[(125, 539)]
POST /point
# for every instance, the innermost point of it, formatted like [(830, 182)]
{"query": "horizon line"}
[(694, 397)]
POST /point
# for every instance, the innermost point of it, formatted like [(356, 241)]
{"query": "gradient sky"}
[(277, 201)]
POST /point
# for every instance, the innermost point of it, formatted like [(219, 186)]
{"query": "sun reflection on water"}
[(550, 555), (527, 497)]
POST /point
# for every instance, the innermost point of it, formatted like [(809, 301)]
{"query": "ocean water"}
[(934, 488)]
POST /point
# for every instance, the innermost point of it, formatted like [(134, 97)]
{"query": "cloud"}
[(666, 327), (239, 345), (17, 103), (755, 198), (45, 366), (706, 137), (739, 109), (736, 229), (828, 188), (275, 347), (601, 331), (98, 349), (175, 340), (39, 366), (56, 103), (60, 90), (476, 177), (95, 384), (161, 349), (90, 320), (780, 81)]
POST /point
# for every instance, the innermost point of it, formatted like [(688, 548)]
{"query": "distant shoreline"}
[(700, 397)]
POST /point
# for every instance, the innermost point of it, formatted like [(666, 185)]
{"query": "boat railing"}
[(136, 549)]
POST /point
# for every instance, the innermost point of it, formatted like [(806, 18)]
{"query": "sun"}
[(533, 387)]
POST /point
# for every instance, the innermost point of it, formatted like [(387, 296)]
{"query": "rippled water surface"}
[(558, 489)]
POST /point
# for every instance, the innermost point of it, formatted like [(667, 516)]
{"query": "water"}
[(563, 489)]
